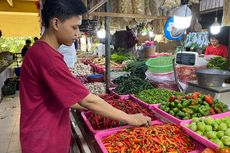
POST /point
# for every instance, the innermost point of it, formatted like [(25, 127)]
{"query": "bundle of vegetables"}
[(119, 57), (193, 105), (98, 122), (155, 138), (216, 130), (154, 96), (137, 68), (131, 85), (218, 63)]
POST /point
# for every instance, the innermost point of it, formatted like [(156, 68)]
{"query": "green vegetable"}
[(193, 126), (219, 143), (137, 68), (201, 126), (208, 128), (131, 85), (226, 140), (199, 132), (222, 127), (154, 96), (211, 134), (209, 120), (220, 134), (204, 109), (218, 63), (227, 132), (119, 57)]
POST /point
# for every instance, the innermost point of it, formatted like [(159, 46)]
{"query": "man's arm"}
[(99, 106)]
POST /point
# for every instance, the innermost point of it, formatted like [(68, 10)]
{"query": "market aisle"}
[(9, 125)]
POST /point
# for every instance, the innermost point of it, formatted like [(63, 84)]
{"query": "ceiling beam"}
[(98, 5), (10, 2), (125, 15)]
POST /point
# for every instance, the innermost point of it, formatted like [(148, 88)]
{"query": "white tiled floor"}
[(9, 125)]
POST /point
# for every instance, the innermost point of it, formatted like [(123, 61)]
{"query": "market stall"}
[(145, 64), (151, 84)]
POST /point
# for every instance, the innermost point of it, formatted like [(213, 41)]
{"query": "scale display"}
[(187, 58)]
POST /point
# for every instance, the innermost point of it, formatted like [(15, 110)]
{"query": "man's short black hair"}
[(0, 33), (61, 9), (28, 41)]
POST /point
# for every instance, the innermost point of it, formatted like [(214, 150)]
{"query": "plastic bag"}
[(159, 77), (162, 80)]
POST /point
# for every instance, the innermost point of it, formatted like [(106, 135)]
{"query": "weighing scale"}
[(191, 58)]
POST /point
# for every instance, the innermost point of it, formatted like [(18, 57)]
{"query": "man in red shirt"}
[(216, 48), (48, 89)]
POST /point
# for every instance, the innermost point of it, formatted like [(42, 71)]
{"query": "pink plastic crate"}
[(86, 114), (139, 101), (101, 135), (200, 138), (156, 108)]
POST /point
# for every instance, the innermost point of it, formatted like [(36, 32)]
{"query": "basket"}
[(160, 64)]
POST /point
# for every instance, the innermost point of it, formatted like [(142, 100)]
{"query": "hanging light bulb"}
[(182, 17), (101, 34), (215, 27)]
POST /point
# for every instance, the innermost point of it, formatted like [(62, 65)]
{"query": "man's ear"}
[(55, 23)]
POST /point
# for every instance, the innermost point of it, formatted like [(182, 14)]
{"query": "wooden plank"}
[(97, 6), (125, 15)]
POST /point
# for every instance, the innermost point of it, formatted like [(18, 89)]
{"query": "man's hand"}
[(138, 119)]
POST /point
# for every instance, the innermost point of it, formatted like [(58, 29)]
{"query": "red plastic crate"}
[(99, 136), (200, 138)]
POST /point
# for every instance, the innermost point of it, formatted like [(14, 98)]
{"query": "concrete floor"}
[(9, 124)]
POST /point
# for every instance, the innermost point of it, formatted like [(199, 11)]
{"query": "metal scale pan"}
[(210, 81)]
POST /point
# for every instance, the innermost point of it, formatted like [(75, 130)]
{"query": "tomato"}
[(208, 150), (224, 150), (208, 99)]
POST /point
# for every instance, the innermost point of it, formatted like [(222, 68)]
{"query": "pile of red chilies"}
[(98, 122), (150, 139)]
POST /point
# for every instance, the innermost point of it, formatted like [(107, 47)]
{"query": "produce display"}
[(98, 122), (155, 96), (96, 88), (131, 85), (218, 63), (216, 130), (193, 105), (119, 57), (156, 138), (81, 69), (137, 68)]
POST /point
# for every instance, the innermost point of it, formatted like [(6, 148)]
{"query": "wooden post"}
[(107, 47)]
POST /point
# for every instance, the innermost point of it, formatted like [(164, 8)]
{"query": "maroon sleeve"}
[(64, 86)]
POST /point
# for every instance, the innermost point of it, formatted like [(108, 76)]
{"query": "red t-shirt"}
[(47, 90), (221, 50)]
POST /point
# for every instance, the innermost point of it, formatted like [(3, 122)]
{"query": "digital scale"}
[(191, 59)]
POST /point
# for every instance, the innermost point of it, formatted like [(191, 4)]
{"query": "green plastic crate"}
[(162, 64)]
